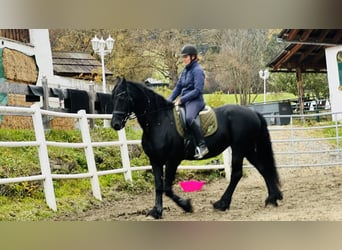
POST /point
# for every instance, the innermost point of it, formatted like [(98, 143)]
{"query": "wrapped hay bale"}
[(19, 67), (17, 122), (62, 123)]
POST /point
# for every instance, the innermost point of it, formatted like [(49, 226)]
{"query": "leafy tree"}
[(239, 61), (315, 85)]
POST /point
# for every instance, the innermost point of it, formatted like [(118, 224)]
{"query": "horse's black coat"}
[(239, 127)]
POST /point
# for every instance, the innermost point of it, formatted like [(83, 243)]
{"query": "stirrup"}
[(200, 154)]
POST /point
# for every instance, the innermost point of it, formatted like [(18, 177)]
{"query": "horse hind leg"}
[(236, 174), (268, 172)]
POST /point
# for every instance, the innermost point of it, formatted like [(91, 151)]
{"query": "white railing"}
[(297, 145), (291, 154)]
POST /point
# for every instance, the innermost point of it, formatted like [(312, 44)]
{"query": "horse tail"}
[(265, 151)]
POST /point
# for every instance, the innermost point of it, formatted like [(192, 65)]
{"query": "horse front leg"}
[(157, 210), (170, 169)]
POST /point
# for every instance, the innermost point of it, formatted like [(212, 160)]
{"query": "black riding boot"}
[(201, 148)]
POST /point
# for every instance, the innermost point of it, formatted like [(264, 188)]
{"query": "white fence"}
[(291, 140), (301, 145)]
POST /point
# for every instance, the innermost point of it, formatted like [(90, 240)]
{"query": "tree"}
[(315, 85), (240, 58)]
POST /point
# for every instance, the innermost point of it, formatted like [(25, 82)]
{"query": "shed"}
[(305, 49), (273, 109), (76, 64), (154, 83), (305, 52)]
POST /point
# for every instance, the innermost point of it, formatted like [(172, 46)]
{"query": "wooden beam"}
[(323, 35), (14, 88), (292, 34), (287, 56), (306, 35), (320, 39), (337, 37), (300, 90)]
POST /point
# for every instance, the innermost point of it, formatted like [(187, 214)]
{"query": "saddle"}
[(207, 118)]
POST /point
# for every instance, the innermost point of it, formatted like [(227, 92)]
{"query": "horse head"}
[(122, 104)]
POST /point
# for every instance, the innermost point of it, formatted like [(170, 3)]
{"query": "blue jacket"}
[(190, 85)]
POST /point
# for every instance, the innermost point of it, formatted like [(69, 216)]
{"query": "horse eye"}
[(122, 93)]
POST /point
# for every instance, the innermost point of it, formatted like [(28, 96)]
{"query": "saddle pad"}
[(208, 121)]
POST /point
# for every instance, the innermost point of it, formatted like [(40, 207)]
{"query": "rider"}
[(188, 93)]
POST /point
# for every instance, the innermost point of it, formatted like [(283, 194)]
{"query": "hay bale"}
[(62, 123), (19, 67), (25, 122), (17, 122)]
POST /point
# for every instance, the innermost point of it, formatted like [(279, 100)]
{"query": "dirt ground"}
[(310, 194)]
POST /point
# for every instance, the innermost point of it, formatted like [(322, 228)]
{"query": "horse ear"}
[(119, 80)]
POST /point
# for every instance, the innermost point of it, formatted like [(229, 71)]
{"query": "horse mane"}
[(155, 99)]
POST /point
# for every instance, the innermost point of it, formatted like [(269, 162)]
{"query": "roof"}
[(153, 83), (305, 49), (75, 64)]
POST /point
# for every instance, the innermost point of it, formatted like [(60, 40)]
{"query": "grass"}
[(218, 99), (331, 132)]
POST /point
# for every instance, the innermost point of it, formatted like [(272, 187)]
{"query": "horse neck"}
[(148, 105), (140, 100)]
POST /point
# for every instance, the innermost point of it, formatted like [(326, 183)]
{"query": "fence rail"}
[(289, 142)]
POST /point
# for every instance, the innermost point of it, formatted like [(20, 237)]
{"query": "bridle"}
[(129, 114)]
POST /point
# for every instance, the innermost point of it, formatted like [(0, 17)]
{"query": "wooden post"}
[(46, 94), (92, 98), (300, 91)]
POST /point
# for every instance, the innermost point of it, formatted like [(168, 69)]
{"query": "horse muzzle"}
[(117, 124), (118, 121)]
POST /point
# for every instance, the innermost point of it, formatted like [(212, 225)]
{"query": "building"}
[(65, 69), (313, 50), (26, 57)]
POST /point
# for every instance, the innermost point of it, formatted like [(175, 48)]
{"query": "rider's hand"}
[(177, 102)]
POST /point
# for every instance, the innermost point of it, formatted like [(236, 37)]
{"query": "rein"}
[(132, 116)]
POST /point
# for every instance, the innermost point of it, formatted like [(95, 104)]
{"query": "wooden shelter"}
[(304, 53), (78, 65)]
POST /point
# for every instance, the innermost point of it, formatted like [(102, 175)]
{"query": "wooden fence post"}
[(46, 94), (92, 97)]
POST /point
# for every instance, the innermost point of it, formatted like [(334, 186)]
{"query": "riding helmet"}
[(189, 50)]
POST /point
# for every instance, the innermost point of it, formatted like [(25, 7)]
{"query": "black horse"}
[(239, 127)]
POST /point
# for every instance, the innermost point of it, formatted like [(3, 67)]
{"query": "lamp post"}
[(103, 48), (264, 74)]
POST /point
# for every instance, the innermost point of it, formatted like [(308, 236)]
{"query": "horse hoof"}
[(273, 200), (221, 205), (155, 213), (186, 205)]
